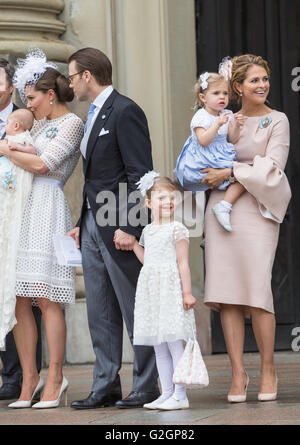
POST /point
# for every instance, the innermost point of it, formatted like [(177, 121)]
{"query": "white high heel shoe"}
[(239, 398), (28, 403), (264, 397), (55, 403)]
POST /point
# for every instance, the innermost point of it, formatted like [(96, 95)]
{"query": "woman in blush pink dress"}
[(239, 264)]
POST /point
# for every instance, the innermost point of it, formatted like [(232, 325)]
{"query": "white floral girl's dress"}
[(159, 315), (47, 212)]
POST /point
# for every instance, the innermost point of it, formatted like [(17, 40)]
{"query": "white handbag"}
[(191, 370)]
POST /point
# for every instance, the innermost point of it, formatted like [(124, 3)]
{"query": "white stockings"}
[(167, 356)]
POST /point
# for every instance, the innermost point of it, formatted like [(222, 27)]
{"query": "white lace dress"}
[(12, 204), (159, 315), (47, 212)]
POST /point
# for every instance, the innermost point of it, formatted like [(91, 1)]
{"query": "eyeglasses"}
[(70, 78)]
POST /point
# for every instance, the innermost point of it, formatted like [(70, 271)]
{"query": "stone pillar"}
[(33, 23)]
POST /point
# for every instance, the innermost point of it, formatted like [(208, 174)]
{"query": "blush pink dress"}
[(239, 264)]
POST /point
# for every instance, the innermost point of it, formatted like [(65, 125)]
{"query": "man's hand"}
[(74, 233), (123, 240)]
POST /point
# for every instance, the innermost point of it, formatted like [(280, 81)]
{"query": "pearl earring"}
[(51, 103), (241, 94)]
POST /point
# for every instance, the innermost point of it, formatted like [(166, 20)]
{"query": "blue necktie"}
[(90, 116)]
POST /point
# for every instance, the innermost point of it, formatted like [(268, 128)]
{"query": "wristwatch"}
[(231, 177)]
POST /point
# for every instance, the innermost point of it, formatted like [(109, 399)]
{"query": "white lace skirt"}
[(38, 273), (159, 315), (12, 205)]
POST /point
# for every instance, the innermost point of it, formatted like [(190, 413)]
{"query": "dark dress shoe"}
[(9, 392), (95, 400), (137, 399)]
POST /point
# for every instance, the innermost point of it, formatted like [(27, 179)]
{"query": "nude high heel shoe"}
[(55, 403), (28, 403), (239, 398), (264, 397)]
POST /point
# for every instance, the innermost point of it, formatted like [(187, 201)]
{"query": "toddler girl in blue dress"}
[(214, 130)]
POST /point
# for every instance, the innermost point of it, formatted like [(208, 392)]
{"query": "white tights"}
[(167, 356)]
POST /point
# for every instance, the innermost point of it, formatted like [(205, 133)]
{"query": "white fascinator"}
[(147, 181), (30, 70), (225, 68), (203, 79)]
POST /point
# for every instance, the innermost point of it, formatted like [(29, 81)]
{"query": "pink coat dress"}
[(239, 264)]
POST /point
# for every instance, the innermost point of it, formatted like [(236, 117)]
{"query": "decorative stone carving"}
[(33, 23)]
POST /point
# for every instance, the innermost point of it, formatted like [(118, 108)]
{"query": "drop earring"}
[(51, 103)]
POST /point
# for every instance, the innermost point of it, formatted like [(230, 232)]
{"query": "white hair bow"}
[(225, 68), (147, 181), (204, 78)]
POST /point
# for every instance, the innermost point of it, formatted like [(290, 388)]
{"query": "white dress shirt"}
[(98, 102), (3, 118)]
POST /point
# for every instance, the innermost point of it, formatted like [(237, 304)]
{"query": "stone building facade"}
[(152, 46)]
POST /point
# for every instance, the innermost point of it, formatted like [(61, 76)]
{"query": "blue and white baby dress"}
[(194, 157)]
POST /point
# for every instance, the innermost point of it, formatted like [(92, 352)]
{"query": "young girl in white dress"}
[(163, 315), (214, 130)]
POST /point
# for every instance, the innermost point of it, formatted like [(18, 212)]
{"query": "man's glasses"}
[(70, 78)]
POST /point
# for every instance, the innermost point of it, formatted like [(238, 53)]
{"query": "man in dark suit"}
[(116, 151), (11, 372)]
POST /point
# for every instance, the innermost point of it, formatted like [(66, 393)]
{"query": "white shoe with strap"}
[(173, 403), (223, 216)]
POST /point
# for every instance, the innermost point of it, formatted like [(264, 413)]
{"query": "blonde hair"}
[(212, 79), (240, 67), (164, 182)]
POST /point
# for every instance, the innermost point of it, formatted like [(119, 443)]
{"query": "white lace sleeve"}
[(142, 238), (66, 142), (180, 232), (201, 119)]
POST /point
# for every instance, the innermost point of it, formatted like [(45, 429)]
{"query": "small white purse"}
[(191, 370)]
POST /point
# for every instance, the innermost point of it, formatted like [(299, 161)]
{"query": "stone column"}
[(33, 23)]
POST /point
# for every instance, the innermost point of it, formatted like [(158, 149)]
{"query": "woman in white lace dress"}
[(57, 134)]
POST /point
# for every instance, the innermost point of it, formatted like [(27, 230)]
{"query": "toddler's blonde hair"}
[(212, 79)]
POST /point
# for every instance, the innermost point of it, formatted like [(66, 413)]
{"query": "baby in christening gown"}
[(15, 188)]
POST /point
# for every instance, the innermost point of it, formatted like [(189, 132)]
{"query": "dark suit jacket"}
[(122, 155), (14, 109)]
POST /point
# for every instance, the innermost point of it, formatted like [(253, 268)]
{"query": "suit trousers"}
[(110, 298), (11, 372)]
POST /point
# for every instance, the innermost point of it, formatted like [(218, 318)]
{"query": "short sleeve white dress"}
[(159, 315), (38, 275)]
